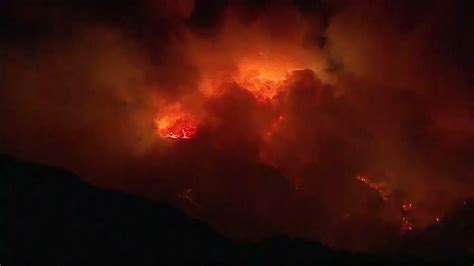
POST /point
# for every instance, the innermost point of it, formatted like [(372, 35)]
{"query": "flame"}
[(174, 123), (264, 76)]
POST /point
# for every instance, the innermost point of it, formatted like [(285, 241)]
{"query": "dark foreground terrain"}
[(52, 217)]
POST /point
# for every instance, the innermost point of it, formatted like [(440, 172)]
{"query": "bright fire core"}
[(176, 124)]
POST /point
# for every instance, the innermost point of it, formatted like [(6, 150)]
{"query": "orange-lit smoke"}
[(253, 54)]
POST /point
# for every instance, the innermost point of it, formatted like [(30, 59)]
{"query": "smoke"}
[(279, 118)]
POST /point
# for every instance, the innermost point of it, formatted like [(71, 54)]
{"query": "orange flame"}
[(174, 123), (263, 76)]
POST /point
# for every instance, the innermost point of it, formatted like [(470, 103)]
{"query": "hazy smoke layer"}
[(349, 122)]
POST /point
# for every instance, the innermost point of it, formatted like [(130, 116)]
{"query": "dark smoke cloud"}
[(381, 89)]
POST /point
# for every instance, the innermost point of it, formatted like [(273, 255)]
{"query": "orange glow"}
[(174, 123)]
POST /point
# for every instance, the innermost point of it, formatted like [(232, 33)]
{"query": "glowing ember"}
[(407, 216), (175, 124), (188, 196), (275, 125), (379, 187), (407, 226), (296, 182), (267, 135), (407, 207)]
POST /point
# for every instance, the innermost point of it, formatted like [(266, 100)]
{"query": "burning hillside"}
[(348, 122)]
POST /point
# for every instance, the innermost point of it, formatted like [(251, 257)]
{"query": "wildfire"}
[(379, 187), (406, 208), (174, 123)]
